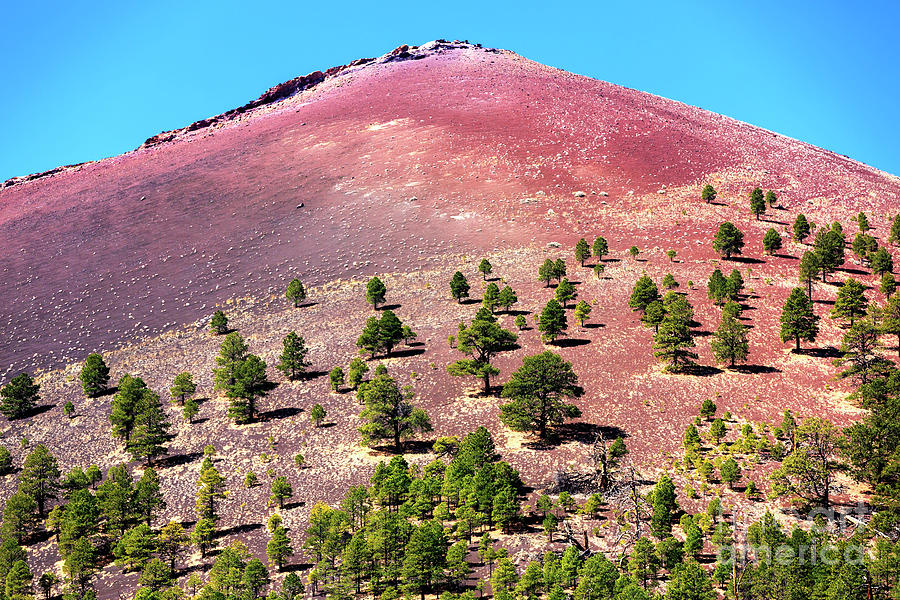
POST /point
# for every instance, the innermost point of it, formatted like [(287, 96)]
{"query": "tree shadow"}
[(611, 260), (755, 369), (570, 343), (37, 410), (780, 255), (826, 302), (385, 307), (416, 344), (853, 271), (293, 505), (593, 325), (826, 352), (465, 301), (301, 566), (746, 260), (238, 529), (586, 433), (516, 313), (702, 333), (406, 353), (278, 413), (199, 421), (176, 460), (701, 370), (307, 375)]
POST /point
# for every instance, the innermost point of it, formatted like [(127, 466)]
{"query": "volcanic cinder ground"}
[(412, 166)]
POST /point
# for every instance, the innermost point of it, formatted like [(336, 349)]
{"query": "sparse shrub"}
[(69, 409)]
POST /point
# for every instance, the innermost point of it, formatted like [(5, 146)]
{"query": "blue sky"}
[(82, 81)]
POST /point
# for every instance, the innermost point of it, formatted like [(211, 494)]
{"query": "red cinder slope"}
[(316, 178)]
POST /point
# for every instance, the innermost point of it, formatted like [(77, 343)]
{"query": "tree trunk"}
[(798, 342)]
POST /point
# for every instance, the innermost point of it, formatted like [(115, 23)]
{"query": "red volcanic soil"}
[(107, 252), (411, 166)]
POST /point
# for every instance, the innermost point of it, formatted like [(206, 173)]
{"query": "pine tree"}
[(491, 297), (668, 282), (211, 486), (426, 557), (375, 292), (565, 292), (19, 516), (485, 268), (582, 312), (155, 575), (317, 414), (771, 241), (296, 293), (356, 371), (172, 541), (251, 383), (183, 387), (894, 236), (730, 472), (552, 321), (507, 298), (94, 376), (801, 228), (389, 413), (559, 269), (39, 478), (634, 251), (757, 202), (887, 285), (730, 341), (851, 301), (148, 498), (771, 198), (654, 315), (370, 339), (390, 331), (729, 240), (664, 507), (116, 499), (281, 490), (47, 582), (80, 565), (708, 194), (674, 338), (203, 536), (151, 429), (459, 287), (644, 293), (600, 248), (717, 430), (538, 392), (582, 251), (891, 321), (882, 262), (690, 582), (829, 246), (643, 563), (279, 548), (19, 397), (546, 272), (19, 581), (292, 360), (481, 342), (809, 270), (190, 410), (797, 319), (126, 404), (135, 548), (717, 288), (336, 379), (232, 353), (860, 348), (708, 409), (218, 324)]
